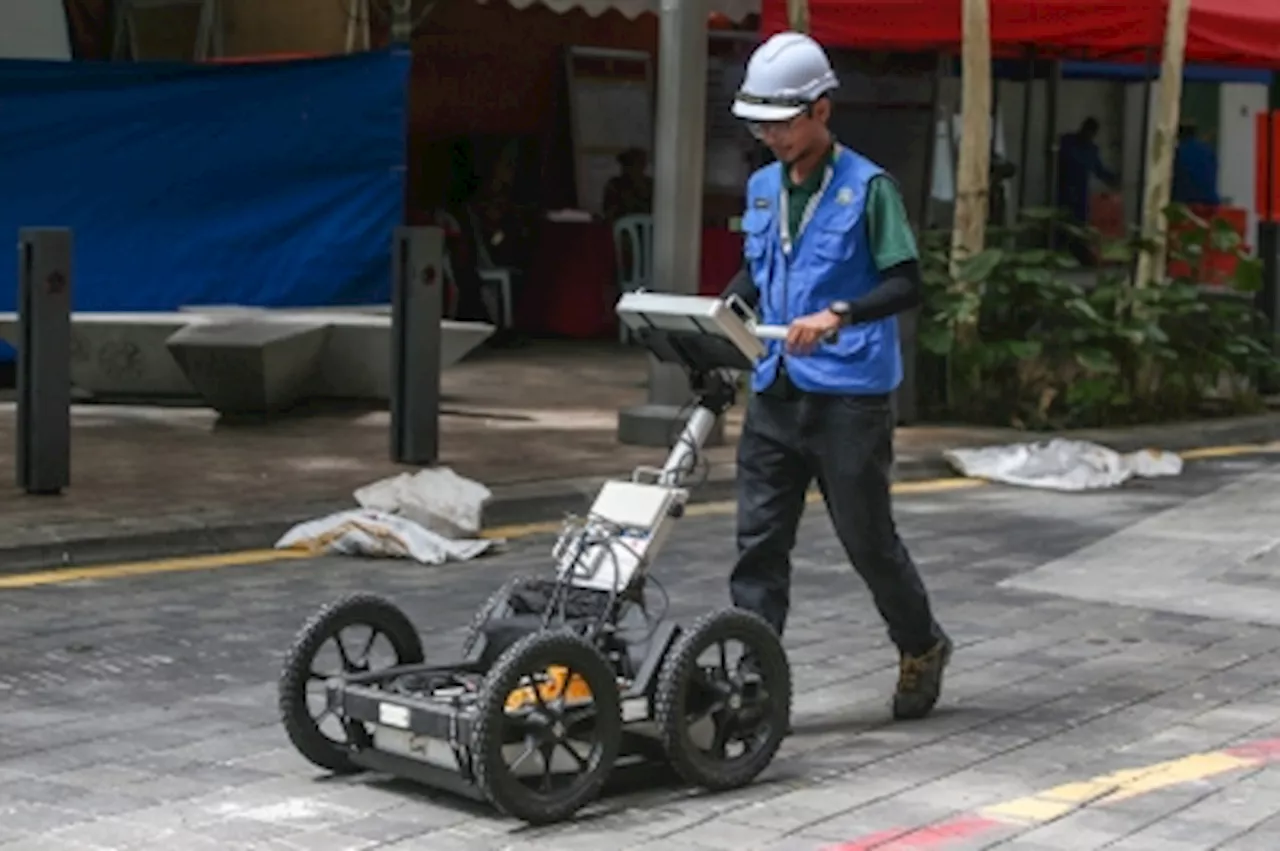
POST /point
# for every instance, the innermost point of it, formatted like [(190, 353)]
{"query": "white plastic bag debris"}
[(437, 499), (377, 534), (1062, 465)]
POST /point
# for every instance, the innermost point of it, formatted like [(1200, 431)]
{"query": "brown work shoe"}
[(920, 682)]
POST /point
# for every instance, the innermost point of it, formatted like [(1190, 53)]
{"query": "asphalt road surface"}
[(1087, 706)]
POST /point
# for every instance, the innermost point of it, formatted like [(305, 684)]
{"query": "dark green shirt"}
[(892, 240)]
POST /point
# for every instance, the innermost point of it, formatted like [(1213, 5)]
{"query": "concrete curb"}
[(534, 502)]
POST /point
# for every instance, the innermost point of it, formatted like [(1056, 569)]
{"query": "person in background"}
[(1079, 161), (1195, 170), (631, 192), (1002, 170)]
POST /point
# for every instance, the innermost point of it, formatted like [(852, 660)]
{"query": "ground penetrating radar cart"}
[(564, 677)]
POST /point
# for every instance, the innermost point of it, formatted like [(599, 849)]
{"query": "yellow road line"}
[(728, 506), (143, 568), (1117, 786), (510, 532), (1024, 815), (1230, 451)]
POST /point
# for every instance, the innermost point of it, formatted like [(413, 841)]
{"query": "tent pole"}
[(1148, 78), (973, 172), (678, 162), (1051, 143), (931, 151), (1024, 151), (798, 15), (1156, 186)]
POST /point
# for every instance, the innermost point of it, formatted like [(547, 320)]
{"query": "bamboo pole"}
[(798, 15), (973, 172), (1159, 163)]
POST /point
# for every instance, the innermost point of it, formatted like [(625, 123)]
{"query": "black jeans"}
[(846, 443)]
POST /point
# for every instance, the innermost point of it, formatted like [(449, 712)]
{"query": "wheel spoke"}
[(564, 691), (579, 715), (529, 751), (548, 751), (368, 646), (537, 693), (724, 728), (342, 652), (724, 659), (583, 765), (708, 680)]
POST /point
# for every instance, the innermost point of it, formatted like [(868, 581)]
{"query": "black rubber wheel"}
[(372, 618), (497, 606), (722, 716), (545, 760)]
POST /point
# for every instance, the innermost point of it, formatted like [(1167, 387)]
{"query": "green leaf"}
[(1032, 257), (1117, 252), (1025, 349), (1083, 308), (1097, 360), (1091, 391), (1248, 275), (1223, 236), (937, 339), (978, 268), (1036, 275)]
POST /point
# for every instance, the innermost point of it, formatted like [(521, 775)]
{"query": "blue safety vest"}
[(828, 260)]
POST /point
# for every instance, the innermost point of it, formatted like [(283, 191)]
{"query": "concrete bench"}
[(252, 365), (122, 355), (127, 355)]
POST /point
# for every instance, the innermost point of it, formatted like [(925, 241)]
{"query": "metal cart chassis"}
[(571, 663)]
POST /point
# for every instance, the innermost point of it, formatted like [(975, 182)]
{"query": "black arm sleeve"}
[(744, 287), (900, 289)]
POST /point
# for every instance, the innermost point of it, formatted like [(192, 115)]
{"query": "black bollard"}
[(417, 302), (44, 360)]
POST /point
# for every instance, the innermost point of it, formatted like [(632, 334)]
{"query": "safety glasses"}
[(768, 129)]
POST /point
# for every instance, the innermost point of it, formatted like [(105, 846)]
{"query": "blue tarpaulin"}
[(270, 184)]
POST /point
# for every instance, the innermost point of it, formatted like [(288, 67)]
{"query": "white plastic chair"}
[(493, 276), (635, 271)]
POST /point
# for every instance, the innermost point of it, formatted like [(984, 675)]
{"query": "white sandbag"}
[(377, 534), (437, 499), (1062, 465)]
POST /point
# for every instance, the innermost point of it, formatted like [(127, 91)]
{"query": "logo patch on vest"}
[(845, 196), (761, 203)]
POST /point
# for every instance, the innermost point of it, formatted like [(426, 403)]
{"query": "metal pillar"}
[(1268, 242), (1024, 149), (43, 460), (679, 152), (416, 304), (1051, 144)]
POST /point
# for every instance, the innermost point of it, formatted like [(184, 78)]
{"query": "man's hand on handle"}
[(805, 333)]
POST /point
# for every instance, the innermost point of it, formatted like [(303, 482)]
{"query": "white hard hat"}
[(784, 75)]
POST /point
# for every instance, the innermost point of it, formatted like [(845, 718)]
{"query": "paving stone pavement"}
[(140, 712)]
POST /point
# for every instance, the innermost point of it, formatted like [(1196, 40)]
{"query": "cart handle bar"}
[(779, 332)]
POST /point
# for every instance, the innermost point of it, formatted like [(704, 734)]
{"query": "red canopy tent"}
[(1221, 32)]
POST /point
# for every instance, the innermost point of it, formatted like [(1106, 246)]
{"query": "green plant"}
[(1032, 340)]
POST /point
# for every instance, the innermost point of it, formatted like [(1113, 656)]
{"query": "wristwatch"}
[(841, 309)]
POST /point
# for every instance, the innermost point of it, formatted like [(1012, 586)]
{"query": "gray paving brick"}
[(170, 717), (114, 833), (48, 843), (325, 840), (39, 818)]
